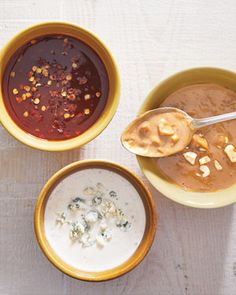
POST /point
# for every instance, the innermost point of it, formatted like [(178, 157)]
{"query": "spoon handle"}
[(199, 123)]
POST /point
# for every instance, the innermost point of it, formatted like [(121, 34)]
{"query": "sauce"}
[(119, 239), (211, 151), (55, 87), (155, 134)]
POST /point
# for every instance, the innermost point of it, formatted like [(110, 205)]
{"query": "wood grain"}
[(195, 250)]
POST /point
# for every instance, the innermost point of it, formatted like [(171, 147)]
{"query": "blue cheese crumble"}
[(92, 216)]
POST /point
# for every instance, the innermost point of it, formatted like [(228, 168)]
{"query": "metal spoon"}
[(194, 125)]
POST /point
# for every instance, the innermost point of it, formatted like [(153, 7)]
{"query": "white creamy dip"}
[(113, 238)]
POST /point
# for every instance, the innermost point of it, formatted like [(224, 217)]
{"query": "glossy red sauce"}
[(55, 87)]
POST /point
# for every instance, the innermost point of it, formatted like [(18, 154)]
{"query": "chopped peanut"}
[(165, 128), (144, 128), (190, 157), (175, 138), (221, 141), (230, 151), (205, 170), (204, 160), (218, 165), (156, 140), (200, 141)]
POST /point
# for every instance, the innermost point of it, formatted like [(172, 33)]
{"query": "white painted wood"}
[(195, 250)]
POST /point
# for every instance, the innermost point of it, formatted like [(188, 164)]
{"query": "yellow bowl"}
[(145, 243), (110, 65), (154, 99)]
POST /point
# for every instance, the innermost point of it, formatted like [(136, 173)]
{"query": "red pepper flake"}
[(19, 99), (36, 115), (71, 97), (82, 80)]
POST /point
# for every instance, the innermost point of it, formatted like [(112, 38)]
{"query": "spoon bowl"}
[(135, 142)]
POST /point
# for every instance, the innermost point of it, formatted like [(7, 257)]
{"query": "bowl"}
[(154, 99), (138, 255), (114, 84)]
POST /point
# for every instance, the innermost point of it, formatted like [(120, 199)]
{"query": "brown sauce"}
[(199, 101)]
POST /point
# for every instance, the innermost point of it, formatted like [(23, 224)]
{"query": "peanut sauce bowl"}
[(111, 92), (143, 217), (175, 192)]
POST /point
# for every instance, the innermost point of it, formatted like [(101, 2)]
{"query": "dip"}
[(94, 219), (55, 87), (159, 134), (208, 163)]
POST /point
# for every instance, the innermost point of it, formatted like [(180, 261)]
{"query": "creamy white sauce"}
[(122, 244)]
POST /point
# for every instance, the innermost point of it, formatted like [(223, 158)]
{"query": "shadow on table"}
[(190, 248)]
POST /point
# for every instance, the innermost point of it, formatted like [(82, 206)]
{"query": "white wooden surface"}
[(195, 250)]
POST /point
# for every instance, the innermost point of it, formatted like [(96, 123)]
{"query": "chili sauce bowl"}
[(132, 259), (174, 192), (61, 28)]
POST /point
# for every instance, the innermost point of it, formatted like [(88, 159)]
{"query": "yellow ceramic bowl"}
[(145, 243), (114, 85), (158, 94)]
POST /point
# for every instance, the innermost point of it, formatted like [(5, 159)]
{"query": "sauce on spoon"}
[(158, 133)]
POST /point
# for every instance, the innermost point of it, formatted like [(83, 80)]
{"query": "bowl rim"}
[(138, 255), (51, 145), (149, 174)]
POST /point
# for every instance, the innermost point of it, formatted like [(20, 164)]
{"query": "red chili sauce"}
[(55, 87)]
